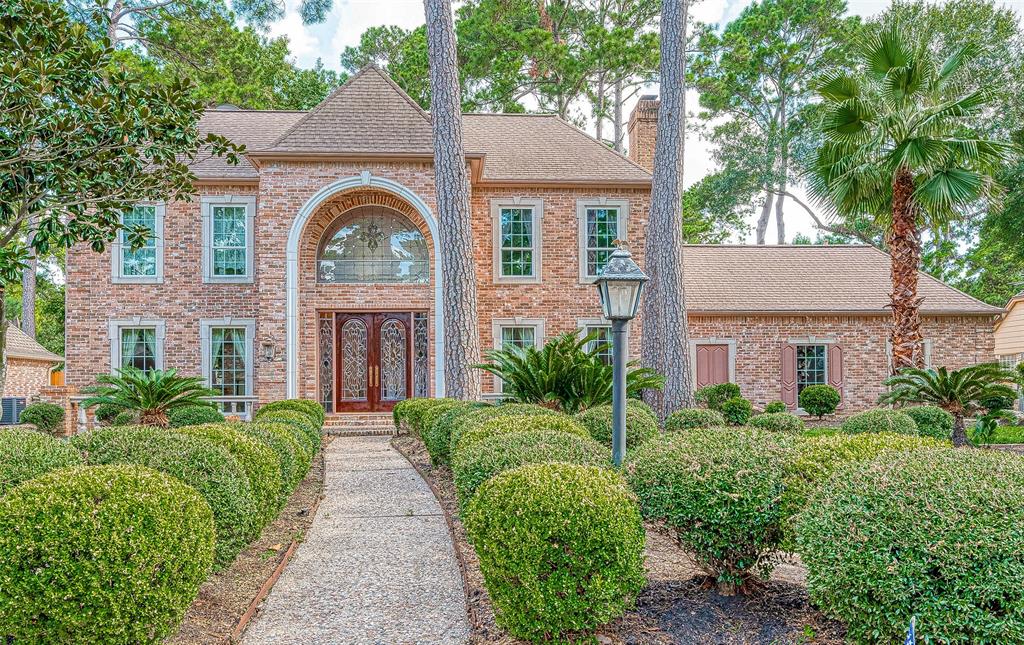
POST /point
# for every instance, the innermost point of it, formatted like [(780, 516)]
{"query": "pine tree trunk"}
[(618, 125), (780, 223), (28, 289), (665, 345), (599, 108), (458, 267), (780, 196), (764, 217), (904, 242)]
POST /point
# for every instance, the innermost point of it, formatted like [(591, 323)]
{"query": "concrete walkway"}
[(377, 565)]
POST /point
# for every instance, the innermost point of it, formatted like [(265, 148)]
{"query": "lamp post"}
[(619, 287)]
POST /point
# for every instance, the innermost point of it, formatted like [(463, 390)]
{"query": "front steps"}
[(359, 424)]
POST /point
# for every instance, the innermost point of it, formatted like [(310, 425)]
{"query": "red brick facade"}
[(26, 378)]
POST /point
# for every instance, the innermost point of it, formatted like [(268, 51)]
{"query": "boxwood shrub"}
[(931, 421), (205, 466), (513, 423), (194, 415), (311, 409), (101, 554), (934, 534), (777, 422), (879, 420), (560, 547), (105, 412), (689, 418), (714, 396), (464, 423), (775, 407), (47, 417), (25, 454), (299, 443), (257, 460), (435, 431), (410, 412), (736, 410), (488, 457), (820, 400), (721, 492), (640, 426), (300, 421), (637, 404), (284, 449), (125, 418)]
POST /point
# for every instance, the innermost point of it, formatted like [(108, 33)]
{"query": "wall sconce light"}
[(268, 350)]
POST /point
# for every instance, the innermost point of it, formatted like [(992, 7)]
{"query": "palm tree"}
[(897, 147), (152, 394), (960, 392)]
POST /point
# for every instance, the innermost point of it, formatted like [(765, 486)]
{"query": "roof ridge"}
[(390, 81), (602, 145), (253, 111)]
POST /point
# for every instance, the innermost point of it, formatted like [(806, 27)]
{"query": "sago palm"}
[(961, 392), (897, 147), (151, 394)]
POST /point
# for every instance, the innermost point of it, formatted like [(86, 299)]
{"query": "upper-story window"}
[(373, 244), (143, 264), (602, 222), (517, 239), (228, 223)]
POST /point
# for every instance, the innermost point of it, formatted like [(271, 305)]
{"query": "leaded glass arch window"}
[(373, 244)]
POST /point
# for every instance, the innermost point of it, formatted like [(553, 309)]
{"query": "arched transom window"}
[(372, 244)]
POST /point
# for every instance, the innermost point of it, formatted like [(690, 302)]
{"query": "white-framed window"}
[(228, 362), (144, 265), (517, 239), (228, 234), (601, 223), (603, 329), (516, 332), (811, 366), (136, 343)]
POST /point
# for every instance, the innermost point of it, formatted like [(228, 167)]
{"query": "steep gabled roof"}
[(21, 345), (255, 129)]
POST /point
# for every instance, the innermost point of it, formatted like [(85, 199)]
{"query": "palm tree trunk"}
[(665, 345), (458, 267), (959, 436), (904, 242)]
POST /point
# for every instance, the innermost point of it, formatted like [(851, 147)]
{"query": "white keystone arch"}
[(364, 180)]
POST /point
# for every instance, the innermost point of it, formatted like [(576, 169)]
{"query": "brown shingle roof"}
[(256, 129), (21, 345), (806, 279)]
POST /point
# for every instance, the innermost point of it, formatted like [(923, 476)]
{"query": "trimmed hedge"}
[(299, 442), (411, 411), (637, 404), (194, 415), (300, 421), (819, 400), (284, 449), (689, 418), (25, 454), (934, 534), (931, 421), (435, 431), (640, 425), (205, 466), (737, 410), (714, 396), (489, 457), (106, 412), (879, 420), (721, 492), (47, 417), (775, 407), (487, 412), (777, 422), (513, 423), (257, 460), (101, 554), (560, 547), (311, 409)]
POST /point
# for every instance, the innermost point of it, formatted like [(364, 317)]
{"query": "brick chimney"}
[(643, 125)]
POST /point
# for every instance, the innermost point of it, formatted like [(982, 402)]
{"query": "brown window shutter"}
[(787, 376), (835, 369)]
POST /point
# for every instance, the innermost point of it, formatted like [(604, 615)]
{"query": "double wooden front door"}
[(374, 360)]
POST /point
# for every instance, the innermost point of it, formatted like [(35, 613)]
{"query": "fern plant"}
[(152, 395)]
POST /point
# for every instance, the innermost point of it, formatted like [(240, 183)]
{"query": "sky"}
[(350, 18)]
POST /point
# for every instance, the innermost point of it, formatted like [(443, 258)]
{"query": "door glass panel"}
[(353, 361), (393, 361)]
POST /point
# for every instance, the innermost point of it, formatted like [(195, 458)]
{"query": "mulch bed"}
[(226, 597), (677, 605)]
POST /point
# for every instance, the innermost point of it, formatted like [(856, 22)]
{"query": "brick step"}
[(364, 431)]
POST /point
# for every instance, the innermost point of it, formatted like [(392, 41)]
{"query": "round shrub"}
[(410, 412), (105, 412), (637, 404), (101, 554), (513, 423), (299, 443), (125, 418), (206, 467), (775, 407), (714, 396), (300, 421), (311, 409), (777, 422), (736, 410), (720, 491), (47, 417), (934, 534), (25, 454), (640, 426), (689, 418), (257, 460), (879, 420), (485, 459), (283, 446), (194, 415), (560, 546), (462, 424), (434, 430), (819, 400), (931, 421)]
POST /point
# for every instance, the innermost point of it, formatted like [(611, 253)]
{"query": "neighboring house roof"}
[(371, 116), (806, 279), (21, 345)]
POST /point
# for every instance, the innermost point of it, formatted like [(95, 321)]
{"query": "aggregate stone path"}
[(377, 565)]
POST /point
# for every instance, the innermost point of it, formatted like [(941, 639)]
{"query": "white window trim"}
[(114, 328), (498, 323), (729, 342), (208, 203), (581, 238), (205, 327), (117, 277), (537, 205)]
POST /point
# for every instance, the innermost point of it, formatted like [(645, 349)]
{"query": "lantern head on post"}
[(620, 285)]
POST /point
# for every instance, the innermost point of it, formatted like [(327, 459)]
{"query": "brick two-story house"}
[(312, 268)]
